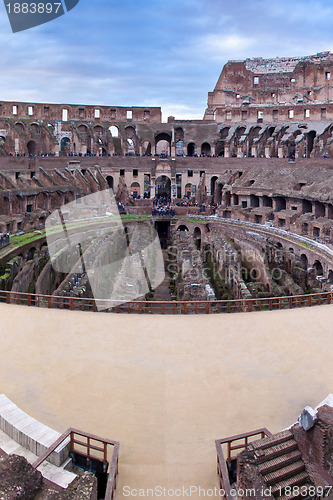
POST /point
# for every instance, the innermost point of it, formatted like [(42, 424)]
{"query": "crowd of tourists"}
[(162, 207)]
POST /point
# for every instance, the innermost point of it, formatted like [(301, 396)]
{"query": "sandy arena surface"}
[(166, 387)]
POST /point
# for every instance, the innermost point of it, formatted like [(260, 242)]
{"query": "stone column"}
[(152, 186)]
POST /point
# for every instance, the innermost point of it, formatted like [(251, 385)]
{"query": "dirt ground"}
[(166, 386)]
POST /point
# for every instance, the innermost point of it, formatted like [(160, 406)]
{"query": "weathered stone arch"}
[(32, 148), (212, 184), (191, 149), (135, 190), (318, 267), (206, 149), (163, 144)]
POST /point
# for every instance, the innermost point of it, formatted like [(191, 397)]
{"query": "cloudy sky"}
[(166, 53)]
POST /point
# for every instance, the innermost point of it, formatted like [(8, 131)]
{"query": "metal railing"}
[(86, 449), (222, 470), (167, 307)]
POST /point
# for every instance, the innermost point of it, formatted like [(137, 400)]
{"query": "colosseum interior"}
[(242, 202)]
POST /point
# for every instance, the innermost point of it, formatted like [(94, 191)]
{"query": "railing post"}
[(72, 442), (71, 304), (328, 298), (88, 450), (8, 297), (207, 307), (105, 453)]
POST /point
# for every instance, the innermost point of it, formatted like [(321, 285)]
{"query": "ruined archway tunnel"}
[(165, 387), (205, 260)]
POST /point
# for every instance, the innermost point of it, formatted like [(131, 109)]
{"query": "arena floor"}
[(166, 387)]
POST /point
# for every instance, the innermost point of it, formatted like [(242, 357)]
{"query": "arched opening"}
[(163, 187), (109, 180), (188, 190), (191, 149), (310, 137), (235, 199), (130, 147), (218, 194), (85, 135), (304, 261), (306, 206), (319, 209), (220, 145), (206, 149), (163, 144), (212, 184), (114, 131), (318, 268), (197, 237), (32, 148), (267, 201), (254, 201), (280, 203), (146, 148), (224, 132), (65, 145), (31, 253), (182, 227), (135, 190), (130, 140)]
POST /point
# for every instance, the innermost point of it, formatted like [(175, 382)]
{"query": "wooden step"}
[(289, 471), (278, 489), (278, 462)]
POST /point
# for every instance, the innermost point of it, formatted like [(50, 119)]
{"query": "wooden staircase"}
[(279, 462)]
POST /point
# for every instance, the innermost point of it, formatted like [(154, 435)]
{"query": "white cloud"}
[(223, 47)]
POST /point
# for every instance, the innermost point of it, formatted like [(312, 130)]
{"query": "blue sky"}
[(153, 53)]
